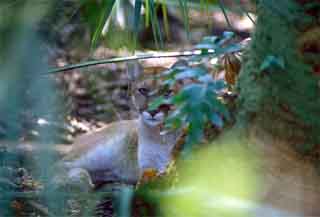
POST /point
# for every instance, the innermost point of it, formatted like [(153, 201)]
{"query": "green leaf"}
[(217, 85), (208, 42), (193, 92), (179, 98), (174, 122), (104, 15), (196, 117), (207, 108), (204, 47), (185, 12), (157, 102), (218, 106), (170, 73), (155, 24), (228, 35), (210, 39), (137, 14), (272, 63), (217, 120), (228, 49), (195, 133), (207, 78), (169, 82), (176, 118), (190, 73), (165, 19)]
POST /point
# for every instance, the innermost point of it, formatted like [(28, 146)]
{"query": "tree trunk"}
[(279, 102)]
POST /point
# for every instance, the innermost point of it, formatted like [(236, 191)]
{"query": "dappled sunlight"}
[(219, 180), (159, 108)]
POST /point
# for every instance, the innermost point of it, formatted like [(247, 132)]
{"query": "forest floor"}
[(96, 96)]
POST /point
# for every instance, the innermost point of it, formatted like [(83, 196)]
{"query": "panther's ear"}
[(134, 70), (135, 75)]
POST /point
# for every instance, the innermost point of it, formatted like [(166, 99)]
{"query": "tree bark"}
[(279, 102)]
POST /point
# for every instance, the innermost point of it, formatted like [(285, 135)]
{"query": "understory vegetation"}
[(234, 74)]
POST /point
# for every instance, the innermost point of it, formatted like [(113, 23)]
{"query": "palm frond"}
[(185, 12), (244, 11), (137, 12), (104, 15), (165, 19), (157, 34), (222, 6)]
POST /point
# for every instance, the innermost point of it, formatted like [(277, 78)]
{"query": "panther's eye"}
[(143, 91)]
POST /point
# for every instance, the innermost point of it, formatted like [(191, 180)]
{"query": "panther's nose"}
[(153, 112)]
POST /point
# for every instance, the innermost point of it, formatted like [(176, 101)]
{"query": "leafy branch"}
[(197, 102)]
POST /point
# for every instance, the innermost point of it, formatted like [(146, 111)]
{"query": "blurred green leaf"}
[(105, 12), (229, 49), (185, 12), (217, 85), (165, 19), (177, 118), (207, 78), (217, 120), (179, 98), (219, 45), (192, 93), (190, 73), (196, 104), (208, 42), (271, 63), (137, 14), (158, 101), (157, 34)]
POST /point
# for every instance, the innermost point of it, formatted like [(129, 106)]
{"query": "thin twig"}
[(221, 5), (129, 58), (245, 11)]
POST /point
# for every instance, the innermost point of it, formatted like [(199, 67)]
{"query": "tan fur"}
[(108, 154), (122, 150), (86, 142)]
